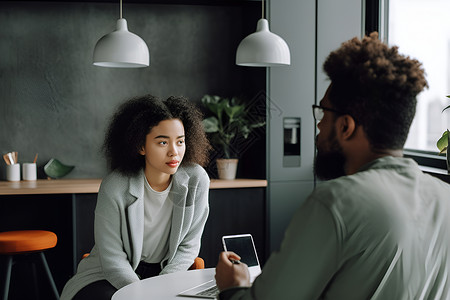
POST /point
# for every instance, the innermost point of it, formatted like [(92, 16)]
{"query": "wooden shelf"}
[(237, 183), (44, 186), (88, 186)]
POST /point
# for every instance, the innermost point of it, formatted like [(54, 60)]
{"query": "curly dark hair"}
[(135, 118), (377, 86)]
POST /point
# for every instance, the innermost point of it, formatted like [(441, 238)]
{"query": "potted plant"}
[(444, 141), (230, 123)]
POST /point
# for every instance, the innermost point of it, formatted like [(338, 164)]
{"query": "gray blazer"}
[(119, 228)]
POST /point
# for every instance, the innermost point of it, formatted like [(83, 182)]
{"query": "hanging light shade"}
[(263, 48), (121, 48)]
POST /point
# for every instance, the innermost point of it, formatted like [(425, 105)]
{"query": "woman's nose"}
[(173, 151)]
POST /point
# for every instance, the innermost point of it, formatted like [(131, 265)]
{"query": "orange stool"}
[(199, 263), (30, 242)]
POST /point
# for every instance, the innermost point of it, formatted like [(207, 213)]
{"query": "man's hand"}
[(229, 273)]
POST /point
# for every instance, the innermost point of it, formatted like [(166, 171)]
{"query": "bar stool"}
[(26, 242), (199, 263)]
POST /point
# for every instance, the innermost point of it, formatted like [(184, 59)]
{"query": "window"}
[(421, 29)]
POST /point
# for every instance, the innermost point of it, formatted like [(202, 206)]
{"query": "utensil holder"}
[(13, 172), (29, 171)]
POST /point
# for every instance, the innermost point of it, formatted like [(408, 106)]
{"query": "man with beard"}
[(378, 228)]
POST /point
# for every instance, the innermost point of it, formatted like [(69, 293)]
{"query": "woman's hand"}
[(230, 272)]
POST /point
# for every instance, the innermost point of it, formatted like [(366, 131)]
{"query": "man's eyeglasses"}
[(318, 112)]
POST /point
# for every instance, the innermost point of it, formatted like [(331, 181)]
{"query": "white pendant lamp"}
[(263, 48), (121, 48)]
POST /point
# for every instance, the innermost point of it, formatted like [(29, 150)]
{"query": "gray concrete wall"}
[(54, 102)]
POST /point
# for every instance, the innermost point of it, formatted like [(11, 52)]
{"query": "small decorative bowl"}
[(55, 169)]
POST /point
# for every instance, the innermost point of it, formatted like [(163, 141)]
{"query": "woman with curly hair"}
[(152, 207)]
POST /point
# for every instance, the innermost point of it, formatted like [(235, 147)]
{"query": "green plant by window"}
[(442, 143), (231, 119)]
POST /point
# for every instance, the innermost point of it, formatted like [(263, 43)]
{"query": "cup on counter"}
[(29, 171), (13, 172)]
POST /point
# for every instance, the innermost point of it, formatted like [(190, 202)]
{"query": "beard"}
[(330, 164)]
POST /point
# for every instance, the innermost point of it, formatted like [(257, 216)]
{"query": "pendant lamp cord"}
[(121, 9), (262, 9)]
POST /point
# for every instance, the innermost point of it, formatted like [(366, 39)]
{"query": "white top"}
[(157, 220)]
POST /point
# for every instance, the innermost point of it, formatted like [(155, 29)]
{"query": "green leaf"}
[(211, 102), (235, 101), (245, 131), (256, 125), (234, 111), (230, 119), (223, 104), (448, 96), (442, 143), (211, 124), (446, 107)]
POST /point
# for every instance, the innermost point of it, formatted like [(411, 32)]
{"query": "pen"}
[(236, 262)]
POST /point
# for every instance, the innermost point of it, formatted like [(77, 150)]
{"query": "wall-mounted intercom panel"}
[(291, 144)]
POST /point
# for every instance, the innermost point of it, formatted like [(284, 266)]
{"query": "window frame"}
[(376, 18)]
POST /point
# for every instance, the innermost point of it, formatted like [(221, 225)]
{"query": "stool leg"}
[(35, 279), (49, 275), (7, 279)]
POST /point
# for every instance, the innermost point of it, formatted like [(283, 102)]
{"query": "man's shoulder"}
[(353, 190), (338, 187), (376, 188)]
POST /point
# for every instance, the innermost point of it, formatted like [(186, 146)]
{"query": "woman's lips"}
[(173, 163)]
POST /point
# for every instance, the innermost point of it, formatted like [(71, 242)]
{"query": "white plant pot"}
[(227, 168)]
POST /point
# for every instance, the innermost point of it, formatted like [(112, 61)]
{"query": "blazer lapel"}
[(135, 216), (178, 194)]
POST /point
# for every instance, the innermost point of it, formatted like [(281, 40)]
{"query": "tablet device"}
[(243, 245)]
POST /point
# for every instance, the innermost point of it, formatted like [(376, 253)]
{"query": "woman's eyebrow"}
[(161, 137), (167, 137)]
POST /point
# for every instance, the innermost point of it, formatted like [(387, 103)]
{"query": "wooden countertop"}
[(88, 186), (237, 183)]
